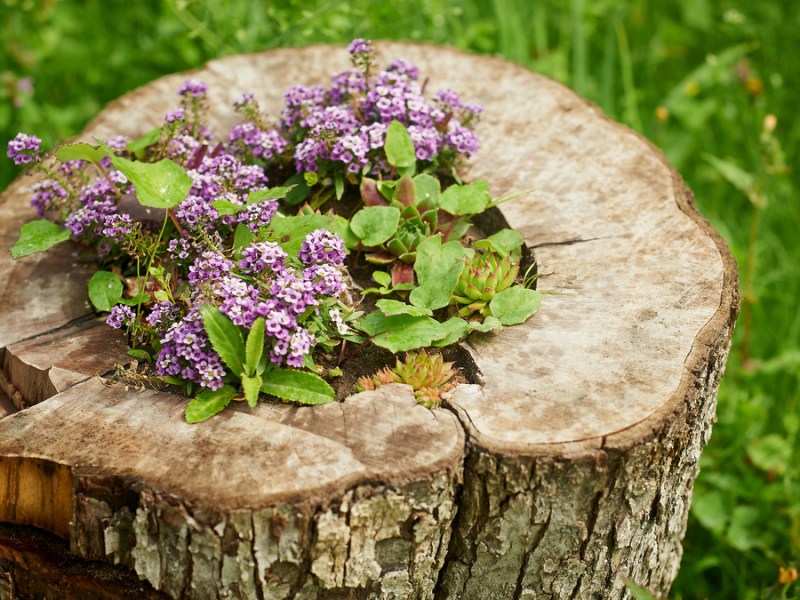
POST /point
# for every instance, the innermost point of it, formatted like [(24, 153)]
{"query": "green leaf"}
[(375, 224), (490, 323), (140, 354), (338, 182), (105, 290), (639, 592), (299, 191), (139, 145), (297, 386), (739, 178), (771, 453), (290, 232), (399, 146), (399, 333), (242, 236), (208, 403), (438, 267), (745, 527), (382, 278), (468, 199), (80, 151), (136, 300), (456, 328), (255, 346), (395, 307), (275, 193), (226, 208), (251, 387), (504, 242), (38, 236), (515, 305), (225, 338), (712, 509), (162, 184), (427, 190)]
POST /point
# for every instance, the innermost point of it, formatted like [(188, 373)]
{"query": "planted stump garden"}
[(564, 468)]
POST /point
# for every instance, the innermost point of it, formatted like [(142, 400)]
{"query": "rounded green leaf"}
[(80, 151), (514, 305), (399, 146), (395, 307), (375, 224), (297, 386), (438, 267), (105, 290), (468, 199), (38, 236)]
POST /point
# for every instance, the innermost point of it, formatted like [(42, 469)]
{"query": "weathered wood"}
[(578, 452)]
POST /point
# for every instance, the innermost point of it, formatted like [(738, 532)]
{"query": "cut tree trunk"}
[(567, 469)]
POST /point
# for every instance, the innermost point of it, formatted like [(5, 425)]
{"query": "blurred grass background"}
[(713, 83)]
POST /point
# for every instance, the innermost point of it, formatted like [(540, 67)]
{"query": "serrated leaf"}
[(456, 328), (80, 151), (251, 387), (38, 236), (162, 184), (515, 305), (469, 199), (399, 146), (105, 290), (504, 242), (208, 403), (254, 348), (438, 267), (297, 386), (375, 224), (225, 338), (395, 307)]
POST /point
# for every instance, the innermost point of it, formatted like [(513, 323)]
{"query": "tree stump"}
[(569, 468)]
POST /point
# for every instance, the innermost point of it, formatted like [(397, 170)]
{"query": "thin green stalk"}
[(629, 89)]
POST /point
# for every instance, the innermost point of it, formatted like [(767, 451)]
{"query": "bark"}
[(569, 468)]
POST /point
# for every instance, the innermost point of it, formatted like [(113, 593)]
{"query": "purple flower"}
[(193, 88), (46, 196), (121, 315), (322, 246), (175, 116), (208, 267), (359, 46), (260, 256), (24, 149)]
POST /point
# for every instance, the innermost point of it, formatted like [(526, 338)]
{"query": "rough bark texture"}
[(577, 452)]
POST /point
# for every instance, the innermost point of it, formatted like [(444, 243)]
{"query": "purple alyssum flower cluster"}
[(343, 127)]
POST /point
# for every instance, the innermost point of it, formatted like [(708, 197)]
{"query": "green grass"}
[(697, 77)]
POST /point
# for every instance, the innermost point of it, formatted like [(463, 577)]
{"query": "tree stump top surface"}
[(642, 287)]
